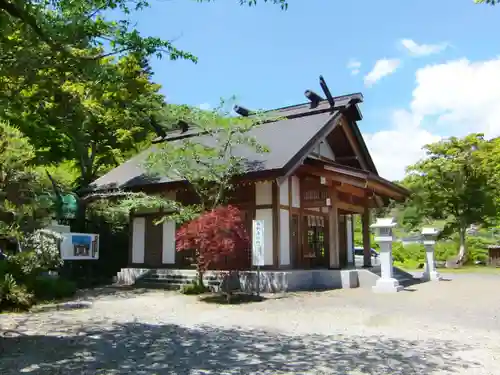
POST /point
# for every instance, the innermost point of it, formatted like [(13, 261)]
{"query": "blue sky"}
[(268, 57)]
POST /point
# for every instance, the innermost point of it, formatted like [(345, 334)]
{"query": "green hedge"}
[(413, 255)]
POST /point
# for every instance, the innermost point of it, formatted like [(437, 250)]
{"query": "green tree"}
[(23, 205), (93, 123), (490, 2), (490, 160), (60, 82), (79, 29), (210, 162), (69, 28), (450, 184)]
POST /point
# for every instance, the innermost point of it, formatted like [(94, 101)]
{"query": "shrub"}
[(45, 244), (411, 255), (24, 266), (219, 237), (47, 288), (14, 296), (194, 288), (477, 249), (445, 250)]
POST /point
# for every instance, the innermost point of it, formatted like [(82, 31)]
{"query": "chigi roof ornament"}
[(326, 90)]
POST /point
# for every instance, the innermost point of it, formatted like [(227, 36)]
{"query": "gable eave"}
[(295, 162)]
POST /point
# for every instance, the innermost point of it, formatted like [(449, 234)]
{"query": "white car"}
[(359, 257)]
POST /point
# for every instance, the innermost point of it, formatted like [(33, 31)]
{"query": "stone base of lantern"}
[(387, 286)]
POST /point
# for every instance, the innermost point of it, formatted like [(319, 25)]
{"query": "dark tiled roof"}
[(285, 138)]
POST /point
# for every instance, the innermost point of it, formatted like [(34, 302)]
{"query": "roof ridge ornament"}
[(183, 126), (314, 98), (242, 111), (327, 92)]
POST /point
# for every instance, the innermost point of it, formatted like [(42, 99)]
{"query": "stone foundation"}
[(270, 281)]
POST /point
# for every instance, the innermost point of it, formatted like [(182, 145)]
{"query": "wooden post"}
[(333, 230), (276, 223), (365, 221), (293, 262)]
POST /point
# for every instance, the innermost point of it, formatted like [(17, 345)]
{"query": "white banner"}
[(258, 243)]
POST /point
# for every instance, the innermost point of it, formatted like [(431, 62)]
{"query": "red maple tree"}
[(219, 239)]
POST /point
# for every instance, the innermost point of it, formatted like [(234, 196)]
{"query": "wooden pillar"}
[(276, 223), (365, 222), (302, 228), (333, 230), (293, 256)]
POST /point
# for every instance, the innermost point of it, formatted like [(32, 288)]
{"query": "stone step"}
[(150, 279), (168, 277), (166, 280), (401, 276), (177, 275), (158, 285)]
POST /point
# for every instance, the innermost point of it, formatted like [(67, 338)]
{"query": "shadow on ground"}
[(134, 348), (113, 291)]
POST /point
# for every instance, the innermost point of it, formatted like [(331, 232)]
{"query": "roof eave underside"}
[(371, 180)]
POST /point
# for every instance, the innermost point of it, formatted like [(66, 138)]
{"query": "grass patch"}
[(194, 289), (236, 299), (464, 269), (472, 269)]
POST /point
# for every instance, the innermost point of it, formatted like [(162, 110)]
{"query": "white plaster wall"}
[(263, 193), (295, 192), (138, 239), (284, 237), (284, 192), (326, 151), (168, 242), (267, 215)]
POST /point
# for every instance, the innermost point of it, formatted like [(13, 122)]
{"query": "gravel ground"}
[(432, 328)]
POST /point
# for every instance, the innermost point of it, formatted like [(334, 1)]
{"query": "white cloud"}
[(382, 68), (453, 98), (418, 50), (354, 65), (205, 106), (394, 149)]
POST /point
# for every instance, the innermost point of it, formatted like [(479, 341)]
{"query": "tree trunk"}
[(200, 277), (81, 217), (198, 269), (462, 251)]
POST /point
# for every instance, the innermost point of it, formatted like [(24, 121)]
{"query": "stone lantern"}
[(429, 239), (384, 236)]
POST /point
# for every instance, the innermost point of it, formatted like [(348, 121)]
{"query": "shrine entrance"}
[(316, 252)]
